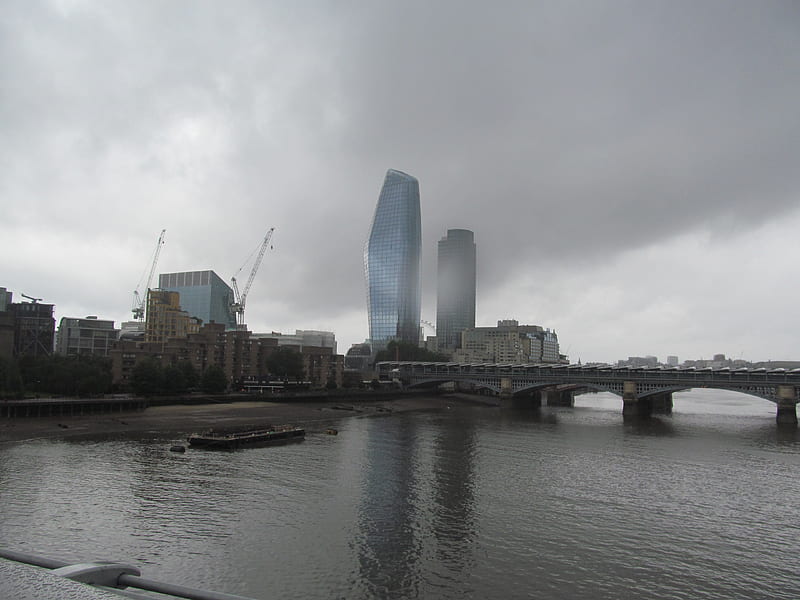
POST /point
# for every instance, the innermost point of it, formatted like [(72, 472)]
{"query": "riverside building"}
[(165, 319), (301, 338), (6, 324), (240, 355), (89, 336), (391, 262), (509, 342), (34, 328), (455, 299)]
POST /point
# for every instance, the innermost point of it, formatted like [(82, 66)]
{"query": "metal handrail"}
[(33, 559), (125, 579)]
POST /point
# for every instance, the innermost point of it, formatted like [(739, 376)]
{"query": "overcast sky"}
[(631, 170)]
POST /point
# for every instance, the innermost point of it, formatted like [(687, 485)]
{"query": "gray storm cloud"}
[(568, 136)]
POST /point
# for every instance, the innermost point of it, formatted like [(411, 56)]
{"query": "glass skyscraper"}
[(455, 300), (391, 262), (203, 295)]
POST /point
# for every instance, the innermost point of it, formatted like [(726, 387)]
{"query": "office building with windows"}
[(509, 342), (391, 262), (203, 294), (455, 298), (6, 324), (89, 336), (34, 328), (165, 320), (301, 338)]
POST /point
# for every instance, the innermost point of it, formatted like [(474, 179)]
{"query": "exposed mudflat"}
[(190, 418)]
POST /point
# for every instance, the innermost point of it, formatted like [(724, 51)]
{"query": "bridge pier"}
[(506, 388), (559, 398), (787, 405), (634, 407)]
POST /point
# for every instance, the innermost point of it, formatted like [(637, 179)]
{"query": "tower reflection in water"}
[(415, 521)]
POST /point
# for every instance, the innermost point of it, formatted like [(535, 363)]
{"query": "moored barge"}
[(252, 437)]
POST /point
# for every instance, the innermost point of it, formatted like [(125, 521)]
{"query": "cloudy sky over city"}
[(630, 169)]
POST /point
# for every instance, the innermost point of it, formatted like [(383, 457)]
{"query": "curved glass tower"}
[(391, 262)]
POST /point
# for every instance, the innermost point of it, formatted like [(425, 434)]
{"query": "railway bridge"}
[(643, 390)]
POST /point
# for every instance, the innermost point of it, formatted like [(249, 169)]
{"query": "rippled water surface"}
[(461, 502)]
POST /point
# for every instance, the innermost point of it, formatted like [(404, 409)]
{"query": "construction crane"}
[(31, 298), (138, 300), (240, 298)]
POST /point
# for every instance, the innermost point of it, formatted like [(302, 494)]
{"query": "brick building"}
[(238, 354)]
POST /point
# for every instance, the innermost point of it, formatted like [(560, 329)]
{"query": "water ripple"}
[(561, 503)]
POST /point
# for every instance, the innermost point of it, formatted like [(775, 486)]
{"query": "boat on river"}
[(212, 439)]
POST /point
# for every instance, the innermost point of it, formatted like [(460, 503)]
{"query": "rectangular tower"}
[(34, 328), (6, 324), (456, 282), (91, 336), (204, 295)]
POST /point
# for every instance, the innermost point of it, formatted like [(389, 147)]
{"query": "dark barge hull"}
[(266, 437)]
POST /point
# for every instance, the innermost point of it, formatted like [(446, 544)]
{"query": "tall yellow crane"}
[(138, 300), (241, 298)]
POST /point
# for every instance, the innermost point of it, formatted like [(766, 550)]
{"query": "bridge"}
[(643, 390)]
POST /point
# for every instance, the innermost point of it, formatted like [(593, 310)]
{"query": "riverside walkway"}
[(643, 390)]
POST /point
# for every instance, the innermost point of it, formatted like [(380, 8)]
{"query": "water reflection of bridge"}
[(643, 390)]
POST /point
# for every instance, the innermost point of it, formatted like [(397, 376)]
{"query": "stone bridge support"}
[(787, 405), (632, 405)]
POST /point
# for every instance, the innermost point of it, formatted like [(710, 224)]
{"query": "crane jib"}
[(241, 298)]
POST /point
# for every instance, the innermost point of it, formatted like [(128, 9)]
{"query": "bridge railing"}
[(114, 577)]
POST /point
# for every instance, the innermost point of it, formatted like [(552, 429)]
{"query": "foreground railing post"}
[(97, 573)]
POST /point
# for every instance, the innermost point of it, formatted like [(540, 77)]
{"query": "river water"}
[(465, 502)]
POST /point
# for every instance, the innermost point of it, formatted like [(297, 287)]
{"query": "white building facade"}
[(89, 336), (509, 342)]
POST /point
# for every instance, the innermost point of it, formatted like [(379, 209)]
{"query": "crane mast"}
[(138, 301), (241, 298)]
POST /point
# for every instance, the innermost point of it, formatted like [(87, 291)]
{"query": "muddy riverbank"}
[(187, 418)]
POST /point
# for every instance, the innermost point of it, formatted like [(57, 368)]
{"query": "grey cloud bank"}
[(629, 169)]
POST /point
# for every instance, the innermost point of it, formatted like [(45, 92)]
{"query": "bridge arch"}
[(434, 382)]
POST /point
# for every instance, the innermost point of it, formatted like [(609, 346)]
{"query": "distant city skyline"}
[(45, 327)]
